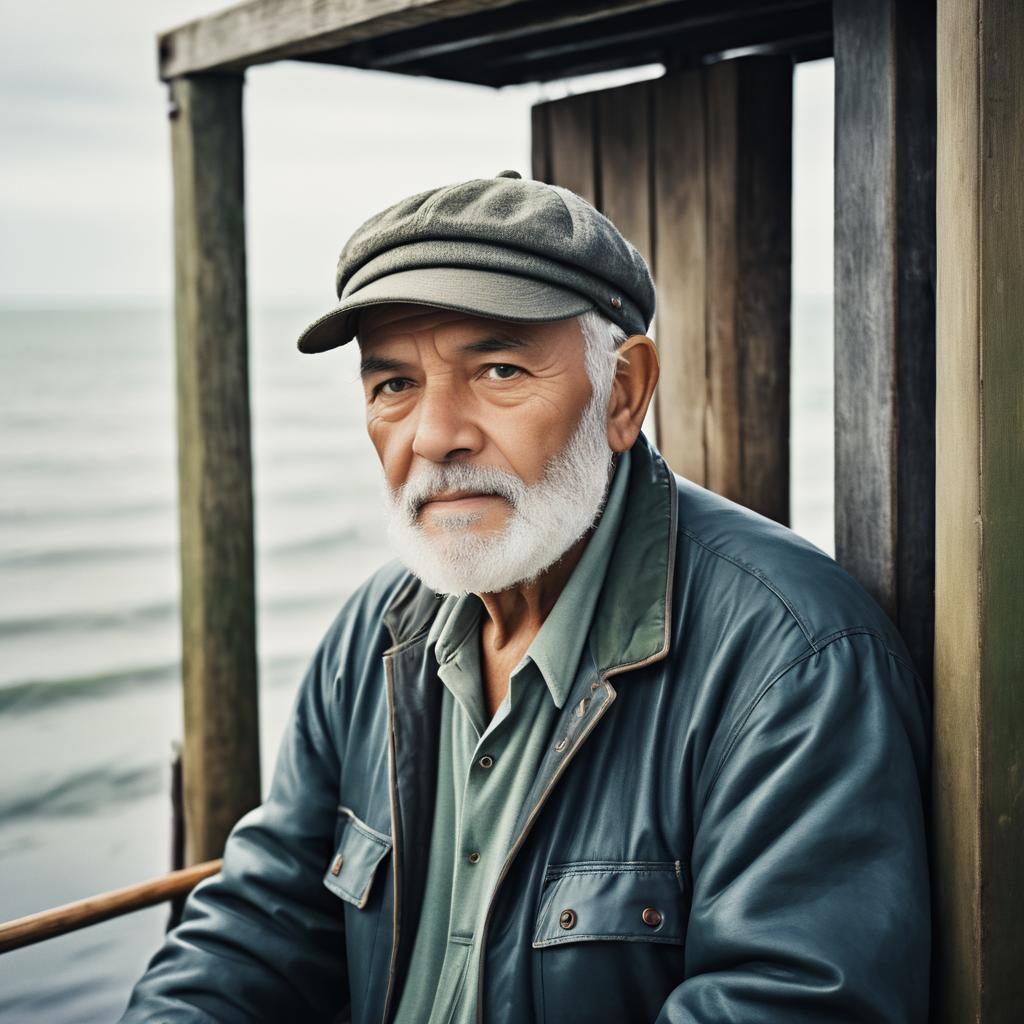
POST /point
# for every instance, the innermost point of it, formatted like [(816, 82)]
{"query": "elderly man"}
[(603, 746)]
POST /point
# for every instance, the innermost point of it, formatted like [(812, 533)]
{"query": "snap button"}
[(616, 302), (486, 761), (336, 866), (474, 857), (651, 917), (567, 919)]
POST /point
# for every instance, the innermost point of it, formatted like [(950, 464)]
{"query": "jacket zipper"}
[(521, 838), (393, 801)]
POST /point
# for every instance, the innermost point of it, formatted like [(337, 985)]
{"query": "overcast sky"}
[(85, 207)]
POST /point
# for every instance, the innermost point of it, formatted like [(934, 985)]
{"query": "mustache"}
[(432, 479)]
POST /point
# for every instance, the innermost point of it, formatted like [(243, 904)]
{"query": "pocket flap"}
[(632, 901), (359, 851)]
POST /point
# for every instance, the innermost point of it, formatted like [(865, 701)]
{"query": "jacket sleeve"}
[(809, 866), (263, 940)]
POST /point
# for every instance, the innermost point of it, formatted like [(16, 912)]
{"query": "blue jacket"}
[(729, 828)]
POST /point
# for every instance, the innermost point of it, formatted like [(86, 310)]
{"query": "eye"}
[(392, 386), (503, 371)]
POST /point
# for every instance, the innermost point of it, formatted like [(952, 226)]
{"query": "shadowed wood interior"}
[(695, 168)]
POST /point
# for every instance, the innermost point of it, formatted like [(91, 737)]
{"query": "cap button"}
[(508, 174)]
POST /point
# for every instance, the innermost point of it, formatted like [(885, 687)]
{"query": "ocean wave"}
[(318, 542), (146, 614), (64, 556), (89, 553), (73, 621), (84, 792), (65, 512), (32, 694)]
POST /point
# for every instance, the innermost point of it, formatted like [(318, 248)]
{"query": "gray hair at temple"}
[(601, 341)]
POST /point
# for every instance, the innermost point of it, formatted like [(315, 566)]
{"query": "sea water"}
[(89, 617)]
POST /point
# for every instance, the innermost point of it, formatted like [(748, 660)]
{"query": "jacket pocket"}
[(609, 940), (359, 852), (623, 901)]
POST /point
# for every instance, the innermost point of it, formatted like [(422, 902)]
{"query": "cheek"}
[(392, 454), (529, 440)]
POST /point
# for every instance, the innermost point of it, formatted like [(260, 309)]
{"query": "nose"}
[(443, 430)]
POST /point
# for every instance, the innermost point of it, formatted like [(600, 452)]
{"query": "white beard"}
[(546, 518)]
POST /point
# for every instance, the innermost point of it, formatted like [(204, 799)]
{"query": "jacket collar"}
[(633, 617)]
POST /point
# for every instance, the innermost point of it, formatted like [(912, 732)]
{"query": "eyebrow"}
[(496, 343), (493, 343), (379, 364)]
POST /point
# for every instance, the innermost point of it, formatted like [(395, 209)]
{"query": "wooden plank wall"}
[(695, 169), (885, 307), (978, 788), (221, 748)]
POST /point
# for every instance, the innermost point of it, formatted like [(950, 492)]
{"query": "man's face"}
[(469, 417)]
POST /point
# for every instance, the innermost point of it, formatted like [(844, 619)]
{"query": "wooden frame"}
[(885, 307), (221, 765), (978, 763), (490, 42)]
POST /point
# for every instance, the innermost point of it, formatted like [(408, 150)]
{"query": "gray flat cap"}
[(503, 247)]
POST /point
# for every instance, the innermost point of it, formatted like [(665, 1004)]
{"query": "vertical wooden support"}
[(885, 307), (221, 748), (748, 122), (978, 804), (695, 169)]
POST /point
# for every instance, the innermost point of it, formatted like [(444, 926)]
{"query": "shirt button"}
[(486, 761), (651, 917), (474, 857)]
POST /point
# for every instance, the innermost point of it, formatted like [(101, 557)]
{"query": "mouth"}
[(458, 501)]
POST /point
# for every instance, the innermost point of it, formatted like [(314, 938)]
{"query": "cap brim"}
[(486, 293)]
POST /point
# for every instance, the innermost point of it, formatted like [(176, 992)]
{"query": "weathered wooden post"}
[(979, 586), (695, 169), (218, 610), (885, 307)]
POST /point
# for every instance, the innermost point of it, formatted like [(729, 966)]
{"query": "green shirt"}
[(485, 770)]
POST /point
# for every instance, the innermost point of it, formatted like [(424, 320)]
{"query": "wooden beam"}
[(48, 924), (440, 37), (749, 145), (804, 33), (543, 32), (218, 608), (978, 767), (514, 27), (885, 307), (260, 31)]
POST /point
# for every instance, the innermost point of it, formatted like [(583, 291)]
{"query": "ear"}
[(636, 374)]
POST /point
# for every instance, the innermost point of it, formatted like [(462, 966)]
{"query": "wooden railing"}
[(25, 931)]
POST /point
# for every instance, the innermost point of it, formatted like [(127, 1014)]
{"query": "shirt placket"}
[(478, 855)]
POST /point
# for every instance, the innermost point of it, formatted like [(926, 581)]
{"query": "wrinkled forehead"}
[(393, 321)]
